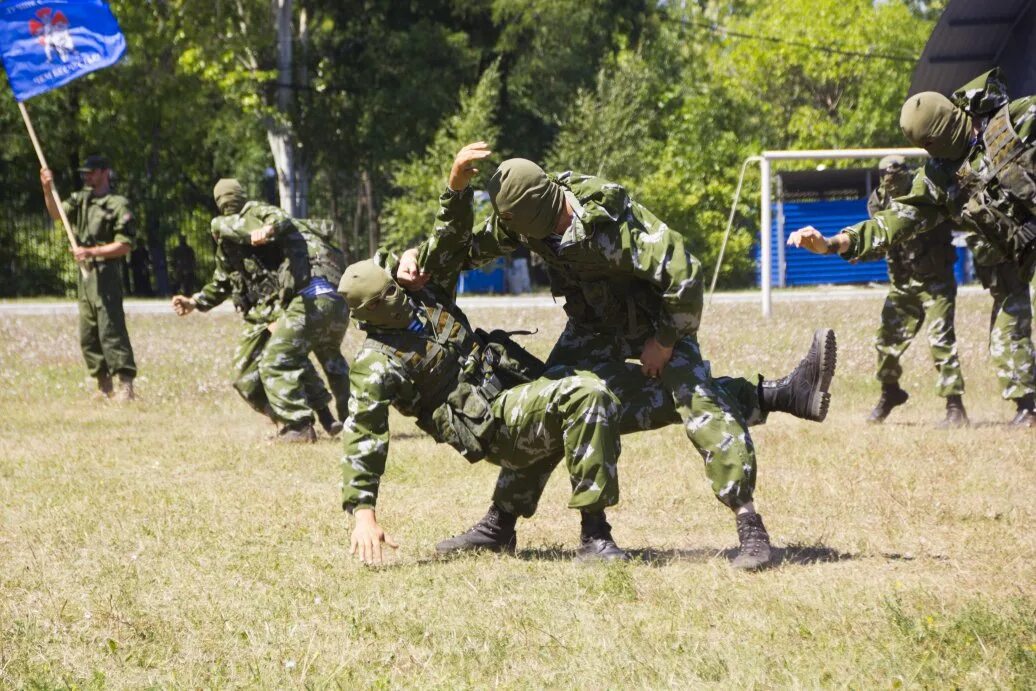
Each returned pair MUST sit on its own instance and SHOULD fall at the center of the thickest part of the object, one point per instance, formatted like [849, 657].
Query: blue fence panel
[487, 279]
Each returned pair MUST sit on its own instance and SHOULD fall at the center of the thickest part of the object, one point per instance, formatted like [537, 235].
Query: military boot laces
[755, 542]
[891, 397]
[124, 392]
[595, 542]
[493, 533]
[331, 426]
[1025, 418]
[302, 433]
[804, 392]
[956, 415]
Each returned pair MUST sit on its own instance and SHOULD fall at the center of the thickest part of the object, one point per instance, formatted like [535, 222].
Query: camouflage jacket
[439, 371]
[100, 220]
[263, 279]
[928, 255]
[990, 191]
[620, 269]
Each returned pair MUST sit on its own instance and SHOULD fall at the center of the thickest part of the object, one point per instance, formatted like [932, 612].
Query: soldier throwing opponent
[631, 290]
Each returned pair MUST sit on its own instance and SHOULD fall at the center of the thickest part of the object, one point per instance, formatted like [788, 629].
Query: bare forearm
[52, 206]
[111, 250]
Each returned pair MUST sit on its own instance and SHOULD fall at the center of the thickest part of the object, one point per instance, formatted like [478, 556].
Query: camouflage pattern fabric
[437, 372]
[249, 383]
[273, 372]
[103, 336]
[990, 191]
[908, 305]
[1010, 330]
[922, 287]
[625, 277]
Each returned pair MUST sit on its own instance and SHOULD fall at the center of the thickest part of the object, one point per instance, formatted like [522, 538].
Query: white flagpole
[53, 189]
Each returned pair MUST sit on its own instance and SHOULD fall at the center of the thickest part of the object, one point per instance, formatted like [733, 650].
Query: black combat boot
[804, 392]
[595, 540]
[755, 542]
[493, 533]
[297, 433]
[1026, 416]
[331, 426]
[891, 396]
[956, 416]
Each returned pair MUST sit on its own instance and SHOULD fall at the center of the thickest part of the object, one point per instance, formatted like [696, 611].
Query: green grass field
[168, 544]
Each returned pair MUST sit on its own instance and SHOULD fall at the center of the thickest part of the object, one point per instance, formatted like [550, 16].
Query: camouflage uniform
[289, 283]
[1010, 328]
[472, 391]
[921, 286]
[625, 278]
[990, 191]
[102, 323]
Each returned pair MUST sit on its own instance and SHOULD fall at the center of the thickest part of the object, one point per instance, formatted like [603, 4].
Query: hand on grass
[367, 538]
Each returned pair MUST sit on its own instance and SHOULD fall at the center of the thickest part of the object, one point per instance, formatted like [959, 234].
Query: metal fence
[35, 258]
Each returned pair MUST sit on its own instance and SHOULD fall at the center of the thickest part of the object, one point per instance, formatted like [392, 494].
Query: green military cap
[930, 120]
[374, 297]
[891, 164]
[230, 196]
[94, 162]
[524, 197]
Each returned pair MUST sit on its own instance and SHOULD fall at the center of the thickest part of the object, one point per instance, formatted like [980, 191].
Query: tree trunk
[279, 133]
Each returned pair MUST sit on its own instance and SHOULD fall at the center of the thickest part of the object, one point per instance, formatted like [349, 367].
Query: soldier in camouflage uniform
[921, 287]
[105, 230]
[467, 389]
[630, 289]
[281, 274]
[982, 176]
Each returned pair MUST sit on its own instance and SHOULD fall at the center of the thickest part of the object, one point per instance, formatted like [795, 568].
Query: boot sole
[820, 399]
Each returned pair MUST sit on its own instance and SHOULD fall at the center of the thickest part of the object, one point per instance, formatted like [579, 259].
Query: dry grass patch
[167, 544]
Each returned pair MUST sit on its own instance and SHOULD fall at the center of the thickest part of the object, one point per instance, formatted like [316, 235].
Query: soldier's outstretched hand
[409, 273]
[464, 164]
[183, 305]
[367, 538]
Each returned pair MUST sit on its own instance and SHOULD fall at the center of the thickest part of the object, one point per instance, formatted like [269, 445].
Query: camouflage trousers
[1010, 333]
[274, 373]
[570, 414]
[911, 303]
[716, 413]
[102, 323]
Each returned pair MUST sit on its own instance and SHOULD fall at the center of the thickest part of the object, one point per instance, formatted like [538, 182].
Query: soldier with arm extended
[980, 176]
[922, 288]
[470, 390]
[630, 288]
[105, 230]
[281, 281]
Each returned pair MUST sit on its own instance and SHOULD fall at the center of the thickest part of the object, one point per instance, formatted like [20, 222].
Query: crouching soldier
[480, 393]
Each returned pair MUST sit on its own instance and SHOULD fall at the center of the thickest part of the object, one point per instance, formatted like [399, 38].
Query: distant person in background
[140, 266]
[185, 266]
[921, 288]
[105, 230]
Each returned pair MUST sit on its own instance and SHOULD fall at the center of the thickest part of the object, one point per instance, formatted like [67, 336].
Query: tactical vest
[595, 296]
[928, 255]
[253, 273]
[326, 259]
[456, 373]
[994, 193]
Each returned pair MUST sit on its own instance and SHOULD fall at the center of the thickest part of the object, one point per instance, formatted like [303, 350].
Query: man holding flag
[45, 44]
[104, 233]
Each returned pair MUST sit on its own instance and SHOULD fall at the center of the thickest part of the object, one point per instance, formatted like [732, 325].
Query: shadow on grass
[802, 555]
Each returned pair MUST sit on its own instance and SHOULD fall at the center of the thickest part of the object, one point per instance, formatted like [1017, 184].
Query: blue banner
[45, 44]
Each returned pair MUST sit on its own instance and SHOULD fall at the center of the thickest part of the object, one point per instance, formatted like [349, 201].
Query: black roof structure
[972, 37]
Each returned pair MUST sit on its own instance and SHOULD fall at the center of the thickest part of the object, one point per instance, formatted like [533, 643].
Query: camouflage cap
[229, 195]
[930, 120]
[95, 162]
[374, 297]
[525, 198]
[891, 163]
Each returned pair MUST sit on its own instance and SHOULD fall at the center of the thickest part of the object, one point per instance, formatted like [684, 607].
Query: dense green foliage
[667, 98]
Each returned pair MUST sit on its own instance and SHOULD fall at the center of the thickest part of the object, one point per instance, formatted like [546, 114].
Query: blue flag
[45, 44]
